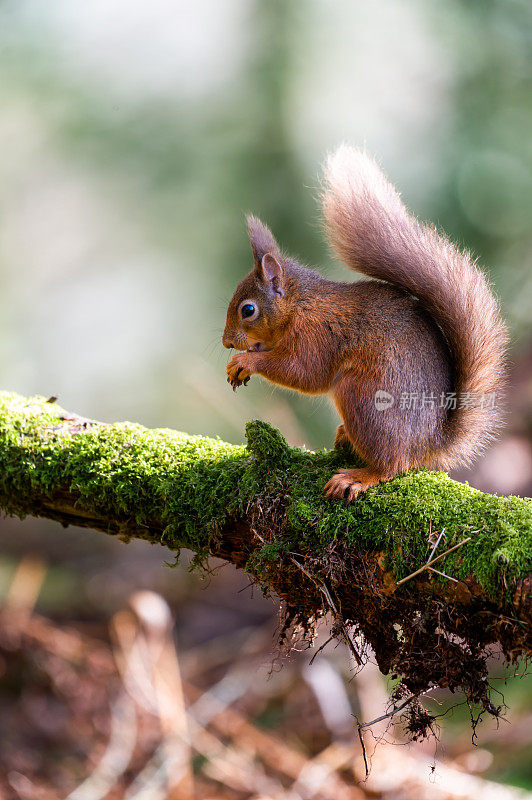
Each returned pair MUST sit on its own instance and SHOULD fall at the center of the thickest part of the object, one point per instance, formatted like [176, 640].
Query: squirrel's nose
[227, 341]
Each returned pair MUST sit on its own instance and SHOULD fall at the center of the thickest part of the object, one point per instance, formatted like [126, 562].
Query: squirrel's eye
[248, 310]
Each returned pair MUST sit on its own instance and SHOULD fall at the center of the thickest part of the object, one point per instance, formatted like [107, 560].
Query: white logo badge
[383, 400]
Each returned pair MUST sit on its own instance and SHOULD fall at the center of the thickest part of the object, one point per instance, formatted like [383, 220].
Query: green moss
[193, 484]
[267, 444]
[122, 470]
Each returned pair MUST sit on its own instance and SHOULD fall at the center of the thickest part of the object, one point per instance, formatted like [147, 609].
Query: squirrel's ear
[271, 271]
[262, 240]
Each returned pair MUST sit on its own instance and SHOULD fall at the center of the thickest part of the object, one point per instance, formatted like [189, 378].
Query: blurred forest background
[134, 136]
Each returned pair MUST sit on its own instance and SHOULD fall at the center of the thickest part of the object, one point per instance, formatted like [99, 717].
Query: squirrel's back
[372, 232]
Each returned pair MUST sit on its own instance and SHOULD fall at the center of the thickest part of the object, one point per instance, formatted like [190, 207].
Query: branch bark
[261, 507]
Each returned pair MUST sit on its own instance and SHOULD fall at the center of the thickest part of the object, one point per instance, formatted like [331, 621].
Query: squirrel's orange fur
[427, 332]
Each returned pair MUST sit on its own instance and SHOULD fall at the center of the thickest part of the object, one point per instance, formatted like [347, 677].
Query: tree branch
[262, 507]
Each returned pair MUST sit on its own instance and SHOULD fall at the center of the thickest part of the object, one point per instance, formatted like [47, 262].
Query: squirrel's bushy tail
[372, 232]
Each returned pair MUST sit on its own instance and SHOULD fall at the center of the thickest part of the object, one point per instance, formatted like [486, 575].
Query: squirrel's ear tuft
[262, 240]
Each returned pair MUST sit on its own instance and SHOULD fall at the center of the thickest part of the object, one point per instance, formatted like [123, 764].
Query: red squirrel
[413, 359]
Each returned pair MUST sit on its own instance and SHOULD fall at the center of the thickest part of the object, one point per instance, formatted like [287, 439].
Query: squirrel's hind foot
[341, 439]
[349, 483]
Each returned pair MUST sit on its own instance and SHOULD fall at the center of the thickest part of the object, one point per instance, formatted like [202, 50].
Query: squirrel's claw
[237, 373]
[347, 484]
[235, 381]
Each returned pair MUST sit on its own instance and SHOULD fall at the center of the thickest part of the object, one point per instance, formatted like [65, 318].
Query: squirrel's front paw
[239, 370]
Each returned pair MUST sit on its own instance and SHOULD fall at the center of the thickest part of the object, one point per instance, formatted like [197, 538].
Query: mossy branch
[262, 507]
